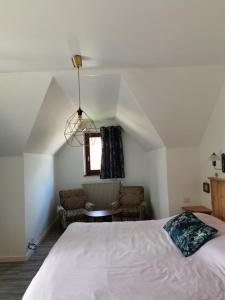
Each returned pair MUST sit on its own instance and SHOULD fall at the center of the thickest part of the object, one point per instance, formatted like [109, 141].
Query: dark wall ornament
[206, 187]
[214, 158]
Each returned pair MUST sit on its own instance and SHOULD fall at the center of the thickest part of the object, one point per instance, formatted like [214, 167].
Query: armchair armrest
[142, 207]
[89, 206]
[115, 205]
[62, 216]
[143, 204]
[60, 210]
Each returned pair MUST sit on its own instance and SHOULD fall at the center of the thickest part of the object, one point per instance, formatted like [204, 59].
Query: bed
[130, 260]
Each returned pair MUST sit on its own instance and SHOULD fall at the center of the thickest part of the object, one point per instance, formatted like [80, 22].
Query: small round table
[101, 214]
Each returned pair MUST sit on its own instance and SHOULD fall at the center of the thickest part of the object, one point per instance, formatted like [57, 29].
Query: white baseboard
[40, 239]
[29, 253]
[22, 258]
[45, 231]
[13, 258]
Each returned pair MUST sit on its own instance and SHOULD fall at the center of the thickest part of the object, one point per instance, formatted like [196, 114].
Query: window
[93, 152]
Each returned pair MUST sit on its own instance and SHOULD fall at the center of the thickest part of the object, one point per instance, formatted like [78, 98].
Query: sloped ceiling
[134, 120]
[99, 92]
[47, 133]
[157, 66]
[178, 101]
[21, 96]
[164, 106]
[35, 107]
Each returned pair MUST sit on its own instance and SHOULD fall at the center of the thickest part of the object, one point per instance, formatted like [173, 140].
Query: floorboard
[15, 277]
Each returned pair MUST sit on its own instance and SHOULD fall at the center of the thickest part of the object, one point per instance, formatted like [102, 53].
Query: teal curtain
[112, 162]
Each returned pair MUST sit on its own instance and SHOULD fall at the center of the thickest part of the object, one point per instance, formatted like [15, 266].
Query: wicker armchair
[131, 203]
[72, 203]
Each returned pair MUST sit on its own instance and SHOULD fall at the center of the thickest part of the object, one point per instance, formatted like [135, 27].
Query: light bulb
[80, 125]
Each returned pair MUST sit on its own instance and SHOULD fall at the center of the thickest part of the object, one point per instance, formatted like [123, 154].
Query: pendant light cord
[78, 74]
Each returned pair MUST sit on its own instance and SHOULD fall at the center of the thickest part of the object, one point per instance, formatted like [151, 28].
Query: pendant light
[78, 123]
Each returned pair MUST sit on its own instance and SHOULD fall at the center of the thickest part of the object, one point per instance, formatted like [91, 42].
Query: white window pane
[95, 153]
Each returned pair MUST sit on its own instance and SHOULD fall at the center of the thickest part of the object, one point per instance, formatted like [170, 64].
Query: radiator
[102, 194]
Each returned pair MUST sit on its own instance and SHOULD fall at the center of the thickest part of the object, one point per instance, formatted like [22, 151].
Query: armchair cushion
[70, 214]
[131, 195]
[74, 202]
[72, 199]
[130, 211]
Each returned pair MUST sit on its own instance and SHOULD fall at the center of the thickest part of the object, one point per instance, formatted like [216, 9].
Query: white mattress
[127, 260]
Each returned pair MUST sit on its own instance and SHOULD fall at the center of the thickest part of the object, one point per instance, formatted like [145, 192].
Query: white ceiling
[157, 66]
[99, 92]
[34, 107]
[42, 35]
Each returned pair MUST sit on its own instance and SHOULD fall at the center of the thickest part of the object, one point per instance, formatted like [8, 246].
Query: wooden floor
[15, 277]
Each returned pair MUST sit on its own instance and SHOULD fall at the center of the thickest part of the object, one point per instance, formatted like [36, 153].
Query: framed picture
[206, 187]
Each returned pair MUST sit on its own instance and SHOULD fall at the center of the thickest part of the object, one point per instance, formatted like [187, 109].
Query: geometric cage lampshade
[79, 123]
[76, 126]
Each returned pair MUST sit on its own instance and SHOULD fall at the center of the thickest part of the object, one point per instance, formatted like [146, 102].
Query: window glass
[95, 153]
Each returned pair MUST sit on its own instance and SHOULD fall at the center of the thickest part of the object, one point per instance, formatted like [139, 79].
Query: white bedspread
[126, 261]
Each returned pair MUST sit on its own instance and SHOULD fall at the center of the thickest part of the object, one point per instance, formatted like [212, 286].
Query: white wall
[12, 214]
[157, 181]
[39, 185]
[213, 140]
[168, 175]
[69, 164]
[134, 161]
[70, 167]
[183, 172]
[174, 180]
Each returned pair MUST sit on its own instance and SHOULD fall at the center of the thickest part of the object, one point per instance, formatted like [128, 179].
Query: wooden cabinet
[198, 209]
[218, 197]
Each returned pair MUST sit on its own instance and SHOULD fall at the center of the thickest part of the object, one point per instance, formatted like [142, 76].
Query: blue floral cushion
[188, 232]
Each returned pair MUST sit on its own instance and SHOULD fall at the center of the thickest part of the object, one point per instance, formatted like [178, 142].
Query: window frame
[88, 171]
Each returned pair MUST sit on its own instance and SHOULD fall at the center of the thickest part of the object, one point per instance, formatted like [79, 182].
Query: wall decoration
[214, 158]
[206, 187]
